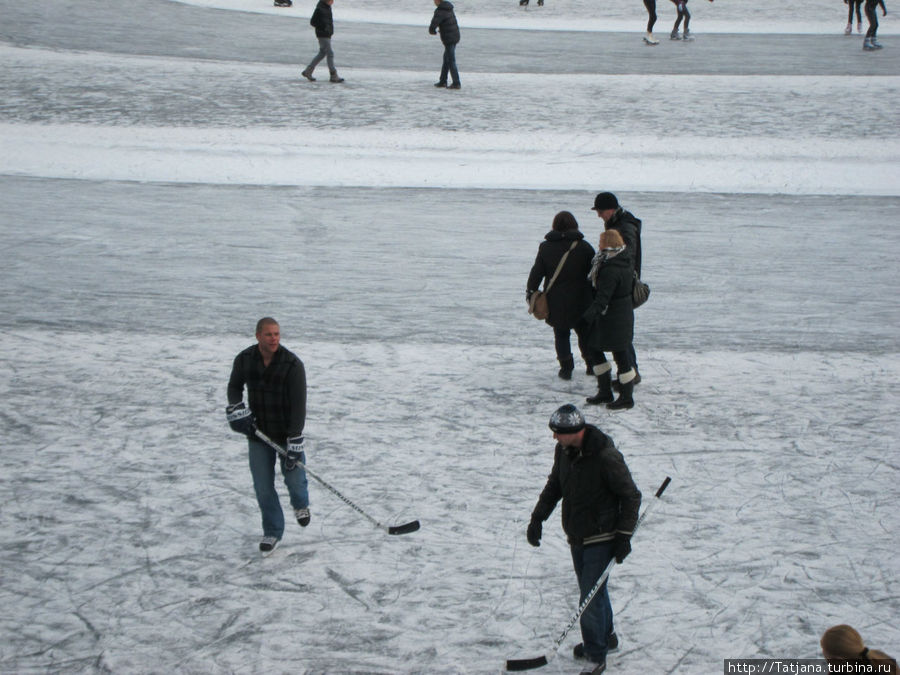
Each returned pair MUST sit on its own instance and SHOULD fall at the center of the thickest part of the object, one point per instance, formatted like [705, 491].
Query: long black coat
[571, 292]
[444, 20]
[610, 316]
[629, 227]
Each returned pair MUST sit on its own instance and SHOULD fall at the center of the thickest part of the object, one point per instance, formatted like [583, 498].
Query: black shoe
[523, 3]
[455, 85]
[594, 669]
[336, 78]
[302, 516]
[625, 400]
[308, 75]
[612, 645]
[283, 3]
[268, 544]
[440, 85]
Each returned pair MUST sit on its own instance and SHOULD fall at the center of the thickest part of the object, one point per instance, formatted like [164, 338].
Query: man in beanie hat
[600, 505]
[615, 217]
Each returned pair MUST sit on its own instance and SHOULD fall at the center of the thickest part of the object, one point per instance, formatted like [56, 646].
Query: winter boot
[626, 389]
[617, 386]
[566, 366]
[335, 77]
[604, 385]
[308, 75]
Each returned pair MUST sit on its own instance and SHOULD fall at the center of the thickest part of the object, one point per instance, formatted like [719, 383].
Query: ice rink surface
[166, 178]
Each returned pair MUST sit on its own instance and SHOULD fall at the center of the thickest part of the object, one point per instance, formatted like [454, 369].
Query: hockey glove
[621, 546]
[535, 529]
[294, 453]
[241, 419]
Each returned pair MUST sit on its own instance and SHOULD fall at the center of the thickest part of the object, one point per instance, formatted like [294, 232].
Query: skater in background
[276, 395]
[651, 21]
[570, 294]
[851, 4]
[843, 646]
[444, 20]
[683, 13]
[323, 22]
[870, 41]
[609, 321]
[600, 505]
[614, 217]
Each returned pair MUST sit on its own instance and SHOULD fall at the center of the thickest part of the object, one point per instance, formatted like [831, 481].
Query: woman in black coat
[571, 293]
[610, 320]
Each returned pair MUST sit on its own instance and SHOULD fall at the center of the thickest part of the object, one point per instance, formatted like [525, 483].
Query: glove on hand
[294, 453]
[241, 419]
[535, 529]
[621, 546]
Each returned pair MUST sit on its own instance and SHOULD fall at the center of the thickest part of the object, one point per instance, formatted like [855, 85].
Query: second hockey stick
[406, 528]
[544, 659]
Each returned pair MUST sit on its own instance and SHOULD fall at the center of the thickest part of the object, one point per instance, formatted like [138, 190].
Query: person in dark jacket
[444, 20]
[276, 393]
[571, 293]
[600, 504]
[610, 321]
[323, 22]
[615, 217]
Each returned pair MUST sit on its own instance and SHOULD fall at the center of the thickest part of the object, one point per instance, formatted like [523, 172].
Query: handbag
[538, 306]
[639, 292]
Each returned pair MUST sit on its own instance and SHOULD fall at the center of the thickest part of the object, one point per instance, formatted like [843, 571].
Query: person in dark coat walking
[444, 20]
[571, 293]
[276, 396]
[323, 22]
[610, 321]
[614, 217]
[600, 504]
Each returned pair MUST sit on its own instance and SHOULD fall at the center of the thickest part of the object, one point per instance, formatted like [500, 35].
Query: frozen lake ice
[166, 178]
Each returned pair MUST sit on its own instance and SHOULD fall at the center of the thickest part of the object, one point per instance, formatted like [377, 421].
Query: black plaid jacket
[276, 395]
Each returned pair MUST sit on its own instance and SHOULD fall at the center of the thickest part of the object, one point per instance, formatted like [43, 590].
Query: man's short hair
[263, 322]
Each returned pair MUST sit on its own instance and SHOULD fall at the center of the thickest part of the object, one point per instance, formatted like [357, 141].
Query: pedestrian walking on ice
[444, 21]
[871, 43]
[323, 22]
[600, 504]
[275, 380]
[683, 14]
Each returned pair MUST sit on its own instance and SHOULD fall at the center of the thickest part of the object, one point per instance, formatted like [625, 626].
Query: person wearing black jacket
[571, 293]
[610, 321]
[615, 217]
[600, 504]
[276, 394]
[323, 22]
[444, 20]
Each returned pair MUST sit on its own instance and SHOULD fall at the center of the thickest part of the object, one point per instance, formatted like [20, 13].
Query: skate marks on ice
[149, 543]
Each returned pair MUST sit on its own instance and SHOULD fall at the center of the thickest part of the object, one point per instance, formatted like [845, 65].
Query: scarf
[601, 258]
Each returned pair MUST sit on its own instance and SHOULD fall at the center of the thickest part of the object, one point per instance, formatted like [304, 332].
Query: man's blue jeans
[449, 64]
[262, 468]
[597, 620]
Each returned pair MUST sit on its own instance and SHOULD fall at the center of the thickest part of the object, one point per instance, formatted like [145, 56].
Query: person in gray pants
[323, 22]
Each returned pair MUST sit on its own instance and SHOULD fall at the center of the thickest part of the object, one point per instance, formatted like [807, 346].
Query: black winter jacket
[571, 293]
[322, 20]
[444, 19]
[630, 228]
[599, 497]
[610, 316]
[276, 395]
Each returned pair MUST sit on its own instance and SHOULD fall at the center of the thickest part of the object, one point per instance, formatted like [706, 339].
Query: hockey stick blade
[526, 664]
[404, 529]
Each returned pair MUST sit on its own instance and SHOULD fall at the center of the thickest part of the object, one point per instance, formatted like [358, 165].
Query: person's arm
[236, 381]
[296, 393]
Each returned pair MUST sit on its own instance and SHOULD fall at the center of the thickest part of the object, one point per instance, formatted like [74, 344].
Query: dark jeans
[683, 13]
[651, 14]
[597, 621]
[872, 16]
[564, 347]
[449, 64]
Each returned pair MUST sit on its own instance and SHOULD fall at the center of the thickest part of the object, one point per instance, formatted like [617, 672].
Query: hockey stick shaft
[398, 529]
[528, 664]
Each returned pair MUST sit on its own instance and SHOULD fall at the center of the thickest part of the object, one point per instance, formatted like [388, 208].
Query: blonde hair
[844, 643]
[611, 239]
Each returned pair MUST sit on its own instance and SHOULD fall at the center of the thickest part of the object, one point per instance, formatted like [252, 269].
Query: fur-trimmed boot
[626, 391]
[604, 384]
